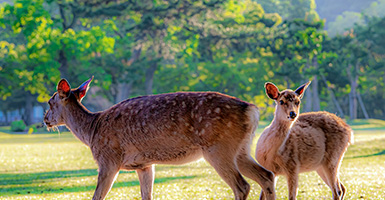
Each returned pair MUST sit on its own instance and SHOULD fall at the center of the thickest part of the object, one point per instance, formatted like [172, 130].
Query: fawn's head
[288, 101]
[61, 100]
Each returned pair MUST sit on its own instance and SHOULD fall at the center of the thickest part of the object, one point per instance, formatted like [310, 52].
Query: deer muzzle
[292, 115]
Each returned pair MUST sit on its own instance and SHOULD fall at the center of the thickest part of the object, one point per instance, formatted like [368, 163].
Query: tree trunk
[63, 64]
[353, 92]
[123, 91]
[342, 115]
[28, 112]
[308, 100]
[362, 106]
[316, 101]
[287, 82]
[150, 77]
[6, 117]
[5, 112]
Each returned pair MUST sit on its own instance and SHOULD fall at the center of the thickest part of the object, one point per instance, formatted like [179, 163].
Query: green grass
[53, 166]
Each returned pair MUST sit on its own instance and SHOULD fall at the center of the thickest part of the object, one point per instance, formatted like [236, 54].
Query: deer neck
[277, 131]
[80, 121]
[281, 127]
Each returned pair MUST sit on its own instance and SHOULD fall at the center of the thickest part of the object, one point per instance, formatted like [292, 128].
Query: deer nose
[293, 115]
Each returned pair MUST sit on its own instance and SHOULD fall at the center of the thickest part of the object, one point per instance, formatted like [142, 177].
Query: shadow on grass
[43, 177]
[20, 184]
[370, 155]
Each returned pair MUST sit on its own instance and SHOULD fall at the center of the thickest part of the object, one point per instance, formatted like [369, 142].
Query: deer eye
[281, 102]
[297, 103]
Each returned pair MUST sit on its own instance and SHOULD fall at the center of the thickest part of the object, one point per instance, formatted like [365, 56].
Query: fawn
[173, 128]
[292, 144]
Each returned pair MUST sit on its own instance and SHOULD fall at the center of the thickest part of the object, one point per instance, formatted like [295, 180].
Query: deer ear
[81, 91]
[63, 89]
[272, 91]
[301, 89]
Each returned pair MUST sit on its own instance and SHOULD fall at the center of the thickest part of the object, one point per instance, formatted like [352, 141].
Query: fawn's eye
[297, 103]
[281, 102]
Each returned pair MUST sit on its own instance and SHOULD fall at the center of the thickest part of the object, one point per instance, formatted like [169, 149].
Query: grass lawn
[53, 166]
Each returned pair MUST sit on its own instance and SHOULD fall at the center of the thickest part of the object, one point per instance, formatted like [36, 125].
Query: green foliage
[331, 9]
[229, 46]
[347, 19]
[18, 126]
[291, 9]
[344, 22]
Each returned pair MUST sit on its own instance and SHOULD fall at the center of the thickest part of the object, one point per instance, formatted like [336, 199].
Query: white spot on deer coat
[217, 110]
[229, 124]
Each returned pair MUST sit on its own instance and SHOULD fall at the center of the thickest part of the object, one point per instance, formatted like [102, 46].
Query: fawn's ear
[81, 91]
[272, 91]
[301, 89]
[63, 89]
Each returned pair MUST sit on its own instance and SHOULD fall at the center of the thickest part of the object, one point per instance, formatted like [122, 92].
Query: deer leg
[224, 164]
[146, 180]
[251, 169]
[343, 189]
[262, 195]
[106, 178]
[292, 182]
[338, 189]
[322, 174]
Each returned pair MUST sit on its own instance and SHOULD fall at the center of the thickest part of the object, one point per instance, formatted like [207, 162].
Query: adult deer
[292, 144]
[174, 128]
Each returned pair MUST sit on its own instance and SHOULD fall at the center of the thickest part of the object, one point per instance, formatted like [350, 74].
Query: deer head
[287, 101]
[62, 100]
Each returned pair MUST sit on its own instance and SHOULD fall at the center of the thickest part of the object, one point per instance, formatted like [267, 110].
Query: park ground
[58, 166]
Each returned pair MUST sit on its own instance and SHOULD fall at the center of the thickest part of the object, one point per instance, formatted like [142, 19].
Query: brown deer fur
[312, 141]
[174, 128]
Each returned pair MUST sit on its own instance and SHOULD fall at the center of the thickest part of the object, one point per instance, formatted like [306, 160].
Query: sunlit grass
[52, 166]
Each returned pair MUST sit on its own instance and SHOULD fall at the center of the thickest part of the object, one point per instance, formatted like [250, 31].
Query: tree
[34, 48]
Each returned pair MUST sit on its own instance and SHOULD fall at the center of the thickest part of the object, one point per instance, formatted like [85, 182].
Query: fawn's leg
[343, 189]
[224, 164]
[106, 178]
[251, 169]
[338, 189]
[333, 183]
[146, 180]
[292, 182]
[262, 195]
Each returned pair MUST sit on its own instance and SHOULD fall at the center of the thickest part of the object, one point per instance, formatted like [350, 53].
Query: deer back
[167, 122]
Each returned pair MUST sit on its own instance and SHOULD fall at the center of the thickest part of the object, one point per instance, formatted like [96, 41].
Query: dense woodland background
[140, 47]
